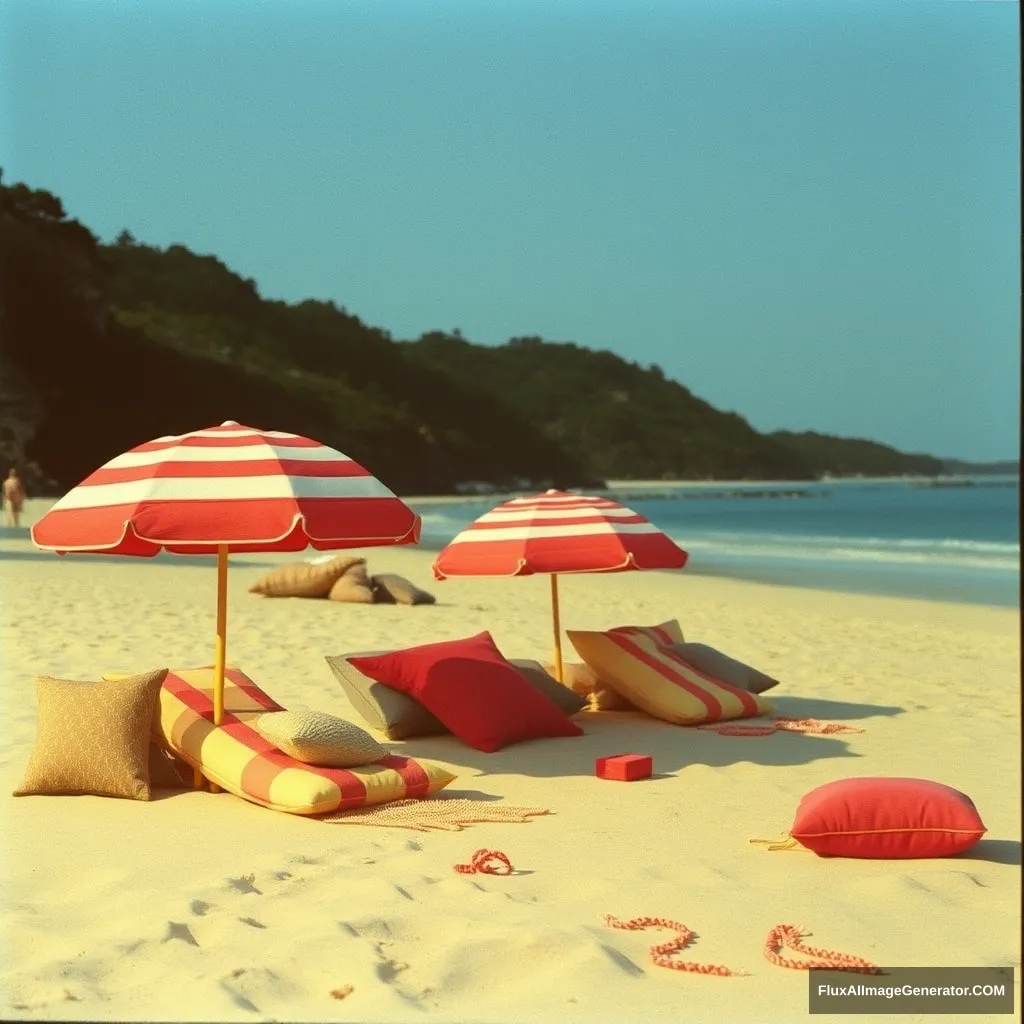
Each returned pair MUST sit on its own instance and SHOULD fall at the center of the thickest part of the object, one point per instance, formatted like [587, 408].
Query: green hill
[621, 420]
[105, 346]
[108, 346]
[847, 456]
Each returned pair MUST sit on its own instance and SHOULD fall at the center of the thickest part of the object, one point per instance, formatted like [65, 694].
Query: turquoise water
[953, 543]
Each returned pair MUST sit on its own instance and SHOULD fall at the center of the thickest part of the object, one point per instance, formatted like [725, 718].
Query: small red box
[625, 767]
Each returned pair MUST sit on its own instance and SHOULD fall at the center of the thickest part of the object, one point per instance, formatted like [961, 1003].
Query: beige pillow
[582, 680]
[304, 579]
[353, 586]
[313, 737]
[721, 666]
[391, 589]
[93, 738]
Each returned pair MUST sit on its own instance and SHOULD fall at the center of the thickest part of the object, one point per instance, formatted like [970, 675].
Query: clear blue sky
[807, 213]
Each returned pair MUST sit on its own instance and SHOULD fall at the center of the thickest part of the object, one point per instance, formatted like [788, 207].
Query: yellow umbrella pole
[222, 639]
[557, 623]
[221, 651]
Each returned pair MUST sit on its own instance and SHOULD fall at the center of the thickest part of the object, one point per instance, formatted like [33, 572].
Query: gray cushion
[721, 666]
[534, 673]
[397, 716]
[388, 588]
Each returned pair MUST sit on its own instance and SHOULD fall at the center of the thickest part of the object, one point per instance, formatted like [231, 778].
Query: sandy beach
[197, 906]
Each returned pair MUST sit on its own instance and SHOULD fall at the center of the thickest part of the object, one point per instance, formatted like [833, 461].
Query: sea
[946, 540]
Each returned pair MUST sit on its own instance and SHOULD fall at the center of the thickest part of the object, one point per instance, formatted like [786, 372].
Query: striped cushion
[636, 661]
[582, 679]
[238, 759]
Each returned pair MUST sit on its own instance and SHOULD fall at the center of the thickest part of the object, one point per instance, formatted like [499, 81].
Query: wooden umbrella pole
[222, 633]
[557, 623]
[222, 639]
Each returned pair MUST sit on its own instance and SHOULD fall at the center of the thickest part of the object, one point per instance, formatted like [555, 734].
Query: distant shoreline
[618, 487]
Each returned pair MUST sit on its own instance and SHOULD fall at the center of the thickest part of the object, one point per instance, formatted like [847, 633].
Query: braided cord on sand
[486, 862]
[661, 955]
[788, 936]
[811, 726]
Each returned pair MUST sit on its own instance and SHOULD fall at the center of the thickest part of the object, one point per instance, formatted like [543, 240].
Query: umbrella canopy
[228, 486]
[223, 489]
[557, 533]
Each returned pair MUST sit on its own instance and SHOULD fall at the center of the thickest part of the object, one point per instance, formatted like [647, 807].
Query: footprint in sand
[392, 971]
[200, 908]
[389, 968]
[969, 878]
[178, 930]
[252, 922]
[252, 987]
[519, 899]
[241, 1001]
[622, 961]
[244, 885]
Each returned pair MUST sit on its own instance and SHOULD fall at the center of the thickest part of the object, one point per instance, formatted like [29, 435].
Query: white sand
[120, 910]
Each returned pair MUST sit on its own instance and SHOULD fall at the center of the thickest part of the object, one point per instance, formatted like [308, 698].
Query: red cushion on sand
[887, 819]
[471, 689]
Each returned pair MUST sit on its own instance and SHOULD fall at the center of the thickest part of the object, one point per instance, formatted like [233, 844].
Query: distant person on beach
[14, 498]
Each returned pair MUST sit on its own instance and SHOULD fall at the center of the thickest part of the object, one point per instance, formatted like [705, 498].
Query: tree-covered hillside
[622, 420]
[105, 346]
[848, 456]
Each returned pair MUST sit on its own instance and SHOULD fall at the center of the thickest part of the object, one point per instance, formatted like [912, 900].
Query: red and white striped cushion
[238, 759]
[636, 662]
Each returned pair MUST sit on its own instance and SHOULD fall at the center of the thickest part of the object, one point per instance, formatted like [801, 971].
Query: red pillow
[472, 690]
[886, 819]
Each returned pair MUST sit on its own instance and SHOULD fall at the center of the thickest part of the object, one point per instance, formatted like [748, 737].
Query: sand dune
[202, 907]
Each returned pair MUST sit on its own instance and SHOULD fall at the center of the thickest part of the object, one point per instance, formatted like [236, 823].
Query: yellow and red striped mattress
[238, 759]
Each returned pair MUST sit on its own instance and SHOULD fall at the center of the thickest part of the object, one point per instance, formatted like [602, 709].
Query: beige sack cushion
[314, 737]
[304, 579]
[352, 587]
[721, 666]
[391, 589]
[93, 738]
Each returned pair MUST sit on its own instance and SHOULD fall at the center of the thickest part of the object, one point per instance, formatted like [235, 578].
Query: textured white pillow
[314, 737]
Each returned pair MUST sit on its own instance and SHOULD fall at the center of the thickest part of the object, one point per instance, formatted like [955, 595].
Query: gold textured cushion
[93, 737]
[304, 579]
[317, 738]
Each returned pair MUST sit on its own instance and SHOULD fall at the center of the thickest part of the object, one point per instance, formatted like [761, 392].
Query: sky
[807, 213]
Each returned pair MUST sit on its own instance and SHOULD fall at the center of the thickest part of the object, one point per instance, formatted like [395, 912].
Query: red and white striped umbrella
[557, 533]
[228, 487]
[224, 489]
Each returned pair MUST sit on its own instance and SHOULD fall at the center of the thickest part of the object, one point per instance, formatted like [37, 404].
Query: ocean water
[952, 542]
